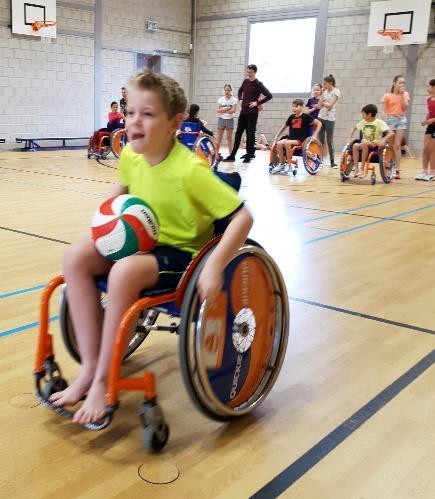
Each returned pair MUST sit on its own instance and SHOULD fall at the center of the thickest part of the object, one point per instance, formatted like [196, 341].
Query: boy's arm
[118, 190]
[354, 129]
[279, 132]
[210, 280]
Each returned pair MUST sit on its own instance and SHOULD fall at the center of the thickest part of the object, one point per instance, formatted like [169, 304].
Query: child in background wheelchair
[374, 146]
[194, 135]
[100, 144]
[300, 125]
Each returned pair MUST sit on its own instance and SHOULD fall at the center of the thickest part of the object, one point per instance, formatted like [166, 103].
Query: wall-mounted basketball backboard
[411, 18]
[26, 13]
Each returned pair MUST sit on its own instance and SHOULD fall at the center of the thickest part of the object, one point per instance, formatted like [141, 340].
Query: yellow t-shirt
[183, 192]
[372, 130]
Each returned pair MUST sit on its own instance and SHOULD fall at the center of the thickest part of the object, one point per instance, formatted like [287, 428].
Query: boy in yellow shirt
[187, 199]
[375, 132]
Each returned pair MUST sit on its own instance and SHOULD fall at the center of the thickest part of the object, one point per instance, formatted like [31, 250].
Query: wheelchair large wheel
[147, 318]
[312, 155]
[118, 140]
[387, 163]
[231, 351]
[206, 150]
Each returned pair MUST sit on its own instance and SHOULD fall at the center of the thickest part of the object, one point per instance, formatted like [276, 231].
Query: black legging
[246, 122]
[328, 127]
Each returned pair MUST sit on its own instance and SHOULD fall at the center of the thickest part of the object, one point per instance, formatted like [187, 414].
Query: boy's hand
[209, 284]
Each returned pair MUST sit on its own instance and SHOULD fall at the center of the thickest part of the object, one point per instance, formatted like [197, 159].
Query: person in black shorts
[299, 128]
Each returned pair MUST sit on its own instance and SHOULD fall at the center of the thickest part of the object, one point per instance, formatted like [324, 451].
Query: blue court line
[26, 326]
[308, 460]
[344, 212]
[359, 227]
[21, 291]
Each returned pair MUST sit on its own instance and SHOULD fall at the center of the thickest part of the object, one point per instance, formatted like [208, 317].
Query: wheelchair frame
[386, 160]
[258, 365]
[311, 152]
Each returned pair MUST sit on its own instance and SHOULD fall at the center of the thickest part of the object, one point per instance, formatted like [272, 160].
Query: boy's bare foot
[73, 393]
[93, 407]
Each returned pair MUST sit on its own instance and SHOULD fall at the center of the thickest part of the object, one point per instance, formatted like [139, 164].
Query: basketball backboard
[411, 17]
[24, 13]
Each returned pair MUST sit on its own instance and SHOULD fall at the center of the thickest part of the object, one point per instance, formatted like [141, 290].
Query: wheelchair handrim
[199, 376]
[312, 160]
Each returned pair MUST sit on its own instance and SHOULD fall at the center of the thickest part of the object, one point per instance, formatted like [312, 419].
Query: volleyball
[124, 225]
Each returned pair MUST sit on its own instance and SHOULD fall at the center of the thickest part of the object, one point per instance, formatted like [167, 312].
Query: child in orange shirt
[395, 104]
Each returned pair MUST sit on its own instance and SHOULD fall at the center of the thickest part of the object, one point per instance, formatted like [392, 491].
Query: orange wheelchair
[384, 156]
[118, 140]
[231, 351]
[310, 151]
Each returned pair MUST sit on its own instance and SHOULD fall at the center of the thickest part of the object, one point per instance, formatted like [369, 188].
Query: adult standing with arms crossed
[249, 95]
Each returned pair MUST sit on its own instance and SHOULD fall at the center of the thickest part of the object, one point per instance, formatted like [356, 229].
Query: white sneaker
[286, 169]
[420, 176]
[277, 168]
[428, 177]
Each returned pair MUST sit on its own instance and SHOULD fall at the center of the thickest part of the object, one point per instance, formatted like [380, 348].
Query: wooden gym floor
[352, 414]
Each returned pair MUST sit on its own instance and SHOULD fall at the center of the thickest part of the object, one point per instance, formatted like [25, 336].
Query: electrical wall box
[151, 25]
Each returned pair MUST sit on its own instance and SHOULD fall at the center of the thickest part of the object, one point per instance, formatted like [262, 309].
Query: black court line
[34, 235]
[57, 175]
[314, 455]
[310, 191]
[364, 316]
[357, 215]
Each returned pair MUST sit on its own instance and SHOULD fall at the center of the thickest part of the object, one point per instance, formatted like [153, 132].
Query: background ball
[124, 225]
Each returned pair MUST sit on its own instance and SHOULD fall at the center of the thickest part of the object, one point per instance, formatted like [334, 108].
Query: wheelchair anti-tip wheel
[231, 350]
[140, 332]
[118, 140]
[387, 162]
[312, 155]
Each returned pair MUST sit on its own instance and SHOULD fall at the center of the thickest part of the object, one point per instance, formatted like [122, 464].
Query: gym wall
[48, 89]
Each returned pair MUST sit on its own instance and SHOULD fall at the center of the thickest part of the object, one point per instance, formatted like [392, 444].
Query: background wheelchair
[385, 156]
[231, 351]
[118, 140]
[103, 142]
[191, 136]
[310, 150]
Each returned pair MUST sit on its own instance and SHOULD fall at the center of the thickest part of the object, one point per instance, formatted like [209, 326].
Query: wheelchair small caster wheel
[53, 385]
[295, 171]
[271, 168]
[155, 440]
[89, 155]
[373, 179]
[343, 178]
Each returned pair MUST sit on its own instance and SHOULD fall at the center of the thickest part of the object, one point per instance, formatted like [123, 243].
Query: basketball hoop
[394, 34]
[37, 25]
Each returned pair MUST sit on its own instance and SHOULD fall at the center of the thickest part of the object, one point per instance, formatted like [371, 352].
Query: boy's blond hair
[171, 94]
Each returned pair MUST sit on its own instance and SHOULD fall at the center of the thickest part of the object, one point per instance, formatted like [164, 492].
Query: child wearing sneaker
[428, 171]
[375, 132]
[299, 128]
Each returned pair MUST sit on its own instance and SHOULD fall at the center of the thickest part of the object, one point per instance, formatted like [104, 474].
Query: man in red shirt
[249, 93]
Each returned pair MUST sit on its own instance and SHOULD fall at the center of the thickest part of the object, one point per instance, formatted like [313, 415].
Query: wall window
[283, 52]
